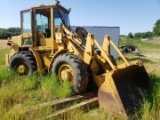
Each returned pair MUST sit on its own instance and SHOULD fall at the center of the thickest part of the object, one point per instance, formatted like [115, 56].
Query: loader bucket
[122, 91]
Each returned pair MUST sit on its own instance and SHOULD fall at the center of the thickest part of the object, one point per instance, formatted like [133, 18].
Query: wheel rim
[22, 68]
[66, 73]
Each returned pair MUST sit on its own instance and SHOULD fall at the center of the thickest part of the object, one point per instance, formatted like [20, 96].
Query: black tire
[23, 63]
[80, 76]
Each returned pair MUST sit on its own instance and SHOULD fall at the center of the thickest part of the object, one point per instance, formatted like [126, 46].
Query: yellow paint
[62, 40]
[38, 60]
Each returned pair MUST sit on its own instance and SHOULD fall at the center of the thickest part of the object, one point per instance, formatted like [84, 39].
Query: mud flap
[122, 91]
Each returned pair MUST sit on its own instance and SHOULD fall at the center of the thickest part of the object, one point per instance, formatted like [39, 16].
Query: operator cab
[38, 24]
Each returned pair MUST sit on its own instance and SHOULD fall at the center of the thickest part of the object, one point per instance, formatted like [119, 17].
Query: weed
[138, 43]
[19, 93]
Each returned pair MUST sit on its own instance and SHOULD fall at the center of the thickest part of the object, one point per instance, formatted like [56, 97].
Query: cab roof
[49, 6]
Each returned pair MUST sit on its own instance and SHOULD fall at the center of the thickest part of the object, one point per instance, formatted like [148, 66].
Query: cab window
[61, 17]
[26, 22]
[42, 23]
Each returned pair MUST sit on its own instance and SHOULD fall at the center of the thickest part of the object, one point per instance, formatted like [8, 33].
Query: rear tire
[23, 63]
[71, 68]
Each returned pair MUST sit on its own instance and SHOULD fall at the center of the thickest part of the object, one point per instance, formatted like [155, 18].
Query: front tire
[23, 63]
[71, 68]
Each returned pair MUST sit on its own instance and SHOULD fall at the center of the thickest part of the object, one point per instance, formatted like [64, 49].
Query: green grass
[19, 93]
[151, 108]
[138, 43]
[30, 91]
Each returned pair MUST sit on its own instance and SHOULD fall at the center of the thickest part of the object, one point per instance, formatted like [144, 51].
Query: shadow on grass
[143, 59]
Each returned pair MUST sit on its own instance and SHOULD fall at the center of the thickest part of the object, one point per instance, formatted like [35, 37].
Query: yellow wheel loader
[47, 44]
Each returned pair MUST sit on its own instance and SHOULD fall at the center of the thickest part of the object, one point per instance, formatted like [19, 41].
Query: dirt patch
[151, 53]
[155, 40]
[3, 44]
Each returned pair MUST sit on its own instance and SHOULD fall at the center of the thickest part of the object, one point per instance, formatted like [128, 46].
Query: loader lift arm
[117, 82]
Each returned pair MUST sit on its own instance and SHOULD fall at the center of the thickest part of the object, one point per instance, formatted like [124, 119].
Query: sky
[130, 15]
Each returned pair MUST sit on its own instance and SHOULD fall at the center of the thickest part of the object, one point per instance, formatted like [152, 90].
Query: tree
[138, 35]
[147, 34]
[156, 28]
[130, 35]
[5, 33]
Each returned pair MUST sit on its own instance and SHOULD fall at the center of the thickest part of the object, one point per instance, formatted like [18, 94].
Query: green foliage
[156, 28]
[29, 91]
[151, 107]
[17, 93]
[130, 35]
[2, 55]
[138, 43]
[154, 33]
[143, 35]
[5, 33]
[147, 34]
[4, 74]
